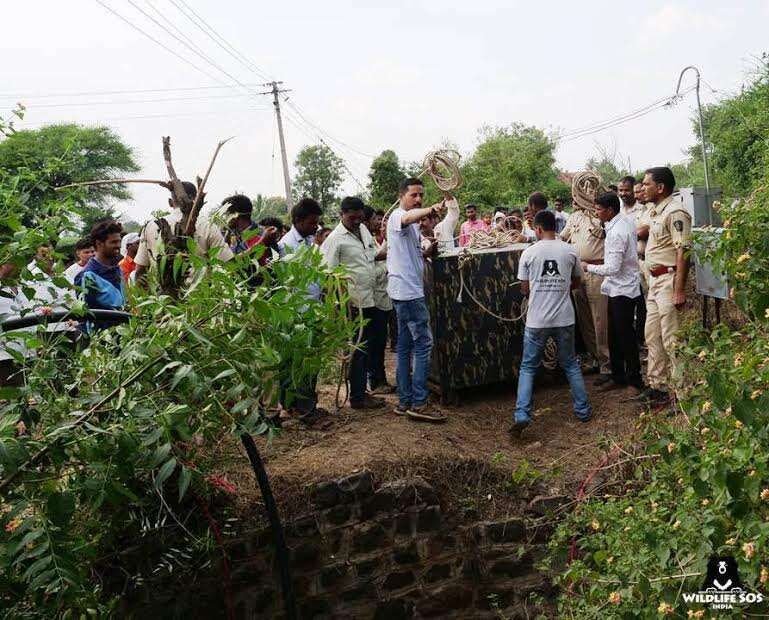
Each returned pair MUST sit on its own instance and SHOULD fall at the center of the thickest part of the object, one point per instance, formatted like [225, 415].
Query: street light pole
[702, 127]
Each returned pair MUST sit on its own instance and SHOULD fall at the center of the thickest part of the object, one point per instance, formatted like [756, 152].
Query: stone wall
[390, 553]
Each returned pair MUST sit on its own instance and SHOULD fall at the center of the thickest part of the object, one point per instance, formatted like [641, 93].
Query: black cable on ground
[278, 537]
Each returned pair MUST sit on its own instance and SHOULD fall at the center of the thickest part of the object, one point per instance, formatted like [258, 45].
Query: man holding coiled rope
[584, 230]
[405, 267]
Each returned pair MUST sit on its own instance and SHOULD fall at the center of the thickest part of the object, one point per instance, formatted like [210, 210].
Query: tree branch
[192, 218]
[165, 184]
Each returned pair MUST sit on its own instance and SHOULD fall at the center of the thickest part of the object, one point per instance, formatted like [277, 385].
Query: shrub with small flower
[702, 488]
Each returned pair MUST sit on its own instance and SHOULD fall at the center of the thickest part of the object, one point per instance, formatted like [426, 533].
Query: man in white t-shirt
[548, 270]
[207, 237]
[83, 253]
[405, 268]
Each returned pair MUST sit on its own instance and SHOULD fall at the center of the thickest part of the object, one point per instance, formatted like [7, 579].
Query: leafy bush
[701, 485]
[107, 442]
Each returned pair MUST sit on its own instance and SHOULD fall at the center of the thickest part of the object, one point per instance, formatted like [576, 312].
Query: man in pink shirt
[472, 224]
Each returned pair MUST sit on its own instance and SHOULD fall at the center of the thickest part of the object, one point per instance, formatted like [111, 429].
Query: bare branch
[192, 219]
[177, 189]
[165, 184]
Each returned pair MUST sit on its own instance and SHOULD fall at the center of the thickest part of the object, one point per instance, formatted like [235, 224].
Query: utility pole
[702, 128]
[275, 91]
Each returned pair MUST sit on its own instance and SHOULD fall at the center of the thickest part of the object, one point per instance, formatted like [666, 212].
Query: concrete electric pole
[275, 91]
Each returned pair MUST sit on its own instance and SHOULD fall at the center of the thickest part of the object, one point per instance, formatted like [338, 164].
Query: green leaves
[60, 507]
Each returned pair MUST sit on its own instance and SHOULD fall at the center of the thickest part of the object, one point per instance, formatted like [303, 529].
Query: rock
[325, 495]
[356, 487]
[369, 538]
[438, 573]
[429, 519]
[394, 609]
[546, 504]
[411, 492]
[396, 581]
[511, 530]
[444, 601]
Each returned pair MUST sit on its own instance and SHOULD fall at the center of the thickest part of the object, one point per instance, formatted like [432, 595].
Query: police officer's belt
[661, 270]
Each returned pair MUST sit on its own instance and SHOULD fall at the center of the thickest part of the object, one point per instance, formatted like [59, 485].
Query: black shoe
[591, 370]
[516, 430]
[602, 380]
[611, 385]
[657, 397]
[643, 396]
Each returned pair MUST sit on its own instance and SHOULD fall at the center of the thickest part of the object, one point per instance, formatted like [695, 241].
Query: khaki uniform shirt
[342, 247]
[206, 237]
[670, 228]
[381, 298]
[586, 234]
[638, 212]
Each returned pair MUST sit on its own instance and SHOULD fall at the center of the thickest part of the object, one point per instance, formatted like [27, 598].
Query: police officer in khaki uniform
[667, 265]
[585, 232]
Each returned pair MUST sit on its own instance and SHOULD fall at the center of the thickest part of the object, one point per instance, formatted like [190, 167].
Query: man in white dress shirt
[621, 284]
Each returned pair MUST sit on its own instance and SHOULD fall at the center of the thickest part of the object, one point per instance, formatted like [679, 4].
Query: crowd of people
[616, 270]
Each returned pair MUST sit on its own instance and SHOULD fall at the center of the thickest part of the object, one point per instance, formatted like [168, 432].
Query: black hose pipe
[59, 316]
[278, 538]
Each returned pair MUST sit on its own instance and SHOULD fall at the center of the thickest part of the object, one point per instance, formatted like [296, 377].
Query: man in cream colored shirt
[351, 245]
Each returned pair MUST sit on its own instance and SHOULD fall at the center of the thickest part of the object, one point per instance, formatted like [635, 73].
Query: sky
[367, 76]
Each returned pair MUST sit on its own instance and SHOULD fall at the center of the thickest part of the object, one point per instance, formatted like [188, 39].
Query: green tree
[318, 174]
[83, 153]
[737, 129]
[385, 175]
[269, 206]
[509, 164]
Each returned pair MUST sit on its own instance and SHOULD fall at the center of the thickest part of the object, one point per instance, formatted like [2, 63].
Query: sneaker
[426, 413]
[401, 409]
[602, 380]
[368, 402]
[516, 430]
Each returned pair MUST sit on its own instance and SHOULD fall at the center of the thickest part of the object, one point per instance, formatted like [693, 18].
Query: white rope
[463, 259]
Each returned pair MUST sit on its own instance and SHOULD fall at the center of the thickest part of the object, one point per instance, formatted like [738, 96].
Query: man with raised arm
[405, 267]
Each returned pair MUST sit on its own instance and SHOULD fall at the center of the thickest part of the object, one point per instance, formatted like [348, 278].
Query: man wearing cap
[667, 262]
[128, 248]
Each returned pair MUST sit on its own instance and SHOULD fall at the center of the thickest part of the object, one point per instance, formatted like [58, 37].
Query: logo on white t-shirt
[550, 268]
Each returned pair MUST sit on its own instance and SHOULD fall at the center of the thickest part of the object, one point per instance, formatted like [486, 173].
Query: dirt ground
[556, 447]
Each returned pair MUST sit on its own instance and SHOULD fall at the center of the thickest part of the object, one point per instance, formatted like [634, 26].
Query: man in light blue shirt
[305, 216]
[405, 285]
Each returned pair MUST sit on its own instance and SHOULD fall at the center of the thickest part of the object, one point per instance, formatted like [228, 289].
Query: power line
[138, 117]
[154, 40]
[187, 45]
[212, 34]
[119, 92]
[70, 104]
[296, 108]
[172, 25]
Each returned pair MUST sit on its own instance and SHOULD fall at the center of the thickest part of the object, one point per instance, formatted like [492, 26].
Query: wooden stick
[192, 219]
[181, 198]
[111, 181]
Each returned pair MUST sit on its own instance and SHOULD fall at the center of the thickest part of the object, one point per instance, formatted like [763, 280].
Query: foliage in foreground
[701, 487]
[113, 442]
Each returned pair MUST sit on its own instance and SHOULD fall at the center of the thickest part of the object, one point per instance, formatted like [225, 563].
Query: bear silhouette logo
[550, 268]
[722, 575]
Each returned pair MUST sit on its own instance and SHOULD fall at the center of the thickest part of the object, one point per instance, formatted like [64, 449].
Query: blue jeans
[534, 340]
[414, 340]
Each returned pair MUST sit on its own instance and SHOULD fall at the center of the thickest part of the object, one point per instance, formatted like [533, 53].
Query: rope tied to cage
[464, 258]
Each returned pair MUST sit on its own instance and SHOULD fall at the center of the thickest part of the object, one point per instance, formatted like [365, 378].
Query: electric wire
[173, 26]
[154, 40]
[97, 93]
[71, 104]
[212, 34]
[189, 47]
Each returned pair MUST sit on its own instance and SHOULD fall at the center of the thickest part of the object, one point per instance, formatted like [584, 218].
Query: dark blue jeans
[376, 347]
[415, 340]
[534, 340]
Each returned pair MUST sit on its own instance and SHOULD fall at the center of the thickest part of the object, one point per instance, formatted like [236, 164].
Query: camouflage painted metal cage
[471, 347]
